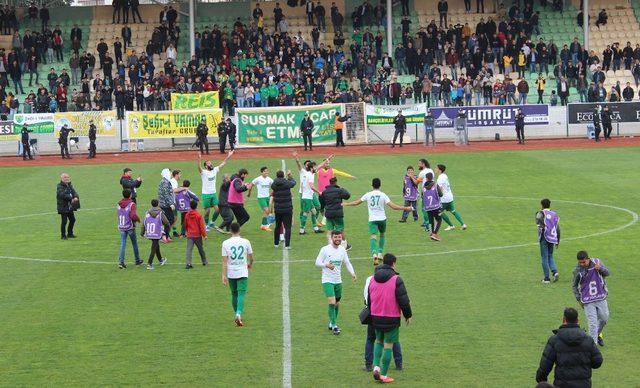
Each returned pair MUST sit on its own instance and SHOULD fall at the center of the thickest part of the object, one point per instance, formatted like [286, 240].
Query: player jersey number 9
[374, 201]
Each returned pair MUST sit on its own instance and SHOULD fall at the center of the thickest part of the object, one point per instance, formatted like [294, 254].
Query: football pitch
[69, 317]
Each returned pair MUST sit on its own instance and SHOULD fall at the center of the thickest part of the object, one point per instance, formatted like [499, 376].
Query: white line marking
[286, 322]
[635, 217]
[51, 213]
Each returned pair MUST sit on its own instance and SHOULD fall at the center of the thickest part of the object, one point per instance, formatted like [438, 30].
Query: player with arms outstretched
[263, 182]
[209, 195]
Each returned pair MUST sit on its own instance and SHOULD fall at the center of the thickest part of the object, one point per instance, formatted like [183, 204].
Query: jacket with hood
[166, 197]
[574, 353]
[385, 273]
[153, 212]
[333, 196]
[224, 193]
[194, 224]
[281, 188]
[131, 184]
[124, 202]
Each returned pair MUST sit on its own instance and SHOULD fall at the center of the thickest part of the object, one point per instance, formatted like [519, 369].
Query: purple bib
[410, 190]
[430, 198]
[183, 201]
[550, 231]
[124, 218]
[153, 226]
[592, 285]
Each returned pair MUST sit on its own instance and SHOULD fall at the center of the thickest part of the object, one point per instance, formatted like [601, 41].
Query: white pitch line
[633, 221]
[52, 213]
[286, 322]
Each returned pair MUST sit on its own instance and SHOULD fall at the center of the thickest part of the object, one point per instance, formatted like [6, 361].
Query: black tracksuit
[520, 127]
[606, 124]
[306, 129]
[63, 140]
[400, 124]
[283, 208]
[64, 194]
[223, 206]
[26, 146]
[201, 137]
[222, 136]
[92, 142]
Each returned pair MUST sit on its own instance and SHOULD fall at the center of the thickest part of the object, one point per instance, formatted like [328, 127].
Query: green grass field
[481, 316]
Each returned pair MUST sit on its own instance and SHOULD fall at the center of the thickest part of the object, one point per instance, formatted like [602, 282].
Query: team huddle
[323, 205]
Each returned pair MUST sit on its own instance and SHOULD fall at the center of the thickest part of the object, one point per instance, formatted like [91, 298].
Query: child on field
[152, 228]
[183, 199]
[196, 232]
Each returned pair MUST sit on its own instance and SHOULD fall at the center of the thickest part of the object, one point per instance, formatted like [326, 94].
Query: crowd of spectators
[253, 65]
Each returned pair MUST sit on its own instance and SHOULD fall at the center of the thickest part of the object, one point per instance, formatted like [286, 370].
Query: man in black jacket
[572, 351]
[92, 140]
[67, 202]
[400, 125]
[127, 182]
[520, 126]
[332, 197]
[386, 303]
[117, 5]
[282, 207]
[597, 121]
[231, 132]
[606, 122]
[202, 131]
[26, 146]
[63, 141]
[222, 135]
[306, 128]
[223, 205]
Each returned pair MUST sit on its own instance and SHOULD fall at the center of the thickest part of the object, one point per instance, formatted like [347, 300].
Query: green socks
[386, 361]
[337, 309]
[425, 217]
[206, 218]
[234, 301]
[314, 220]
[446, 219]
[381, 248]
[303, 221]
[377, 353]
[240, 304]
[264, 221]
[458, 217]
[332, 314]
[373, 243]
[215, 216]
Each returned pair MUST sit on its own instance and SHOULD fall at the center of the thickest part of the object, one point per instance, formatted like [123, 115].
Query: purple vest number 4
[153, 226]
[430, 198]
[124, 218]
[550, 231]
[592, 285]
[410, 190]
[183, 201]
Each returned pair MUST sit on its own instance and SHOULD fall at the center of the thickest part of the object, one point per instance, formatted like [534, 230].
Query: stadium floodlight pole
[192, 28]
[585, 23]
[390, 28]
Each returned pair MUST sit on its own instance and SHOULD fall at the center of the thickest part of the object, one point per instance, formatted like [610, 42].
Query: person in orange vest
[339, 126]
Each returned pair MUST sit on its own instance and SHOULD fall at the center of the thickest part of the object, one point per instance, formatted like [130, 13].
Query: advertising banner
[171, 124]
[188, 101]
[623, 112]
[37, 122]
[6, 131]
[491, 115]
[281, 126]
[384, 114]
[105, 122]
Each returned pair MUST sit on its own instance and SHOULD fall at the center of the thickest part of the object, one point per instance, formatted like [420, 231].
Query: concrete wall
[47, 143]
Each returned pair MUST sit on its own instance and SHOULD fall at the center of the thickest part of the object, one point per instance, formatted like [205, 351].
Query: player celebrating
[548, 236]
[590, 289]
[376, 201]
[410, 194]
[425, 168]
[209, 194]
[308, 193]
[324, 176]
[263, 183]
[431, 194]
[330, 259]
[237, 260]
[447, 199]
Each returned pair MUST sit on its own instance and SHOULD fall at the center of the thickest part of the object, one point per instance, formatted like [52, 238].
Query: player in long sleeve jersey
[331, 259]
[309, 198]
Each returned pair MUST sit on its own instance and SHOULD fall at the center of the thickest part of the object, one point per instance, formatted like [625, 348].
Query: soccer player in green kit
[330, 259]
[376, 201]
[237, 260]
[447, 199]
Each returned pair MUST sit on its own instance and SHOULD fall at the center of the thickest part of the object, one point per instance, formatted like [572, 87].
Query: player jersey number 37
[376, 201]
[237, 251]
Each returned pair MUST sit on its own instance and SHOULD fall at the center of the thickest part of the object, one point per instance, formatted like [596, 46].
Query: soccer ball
[72, 142]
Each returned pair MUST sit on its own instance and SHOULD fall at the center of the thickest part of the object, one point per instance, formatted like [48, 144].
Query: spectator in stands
[277, 15]
[636, 72]
[540, 85]
[563, 91]
[320, 13]
[172, 17]
[44, 17]
[602, 18]
[257, 13]
[574, 49]
[117, 6]
[134, 4]
[443, 9]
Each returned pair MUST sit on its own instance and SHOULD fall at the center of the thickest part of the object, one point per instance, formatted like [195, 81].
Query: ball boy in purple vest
[127, 218]
[153, 229]
[183, 200]
[590, 289]
[410, 194]
[549, 236]
[431, 194]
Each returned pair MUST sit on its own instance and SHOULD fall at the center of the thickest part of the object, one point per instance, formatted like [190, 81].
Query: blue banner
[491, 115]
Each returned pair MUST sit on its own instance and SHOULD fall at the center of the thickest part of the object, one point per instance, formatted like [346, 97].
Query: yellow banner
[105, 122]
[171, 123]
[188, 101]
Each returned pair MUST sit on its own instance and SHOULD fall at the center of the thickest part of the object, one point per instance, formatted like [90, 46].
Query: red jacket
[194, 223]
[124, 202]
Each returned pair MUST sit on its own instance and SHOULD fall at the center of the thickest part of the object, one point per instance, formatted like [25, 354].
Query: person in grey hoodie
[167, 200]
[155, 243]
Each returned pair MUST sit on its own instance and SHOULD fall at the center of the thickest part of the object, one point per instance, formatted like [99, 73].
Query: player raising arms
[447, 199]
[237, 260]
[425, 168]
[263, 182]
[209, 195]
[376, 201]
[308, 193]
[330, 259]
